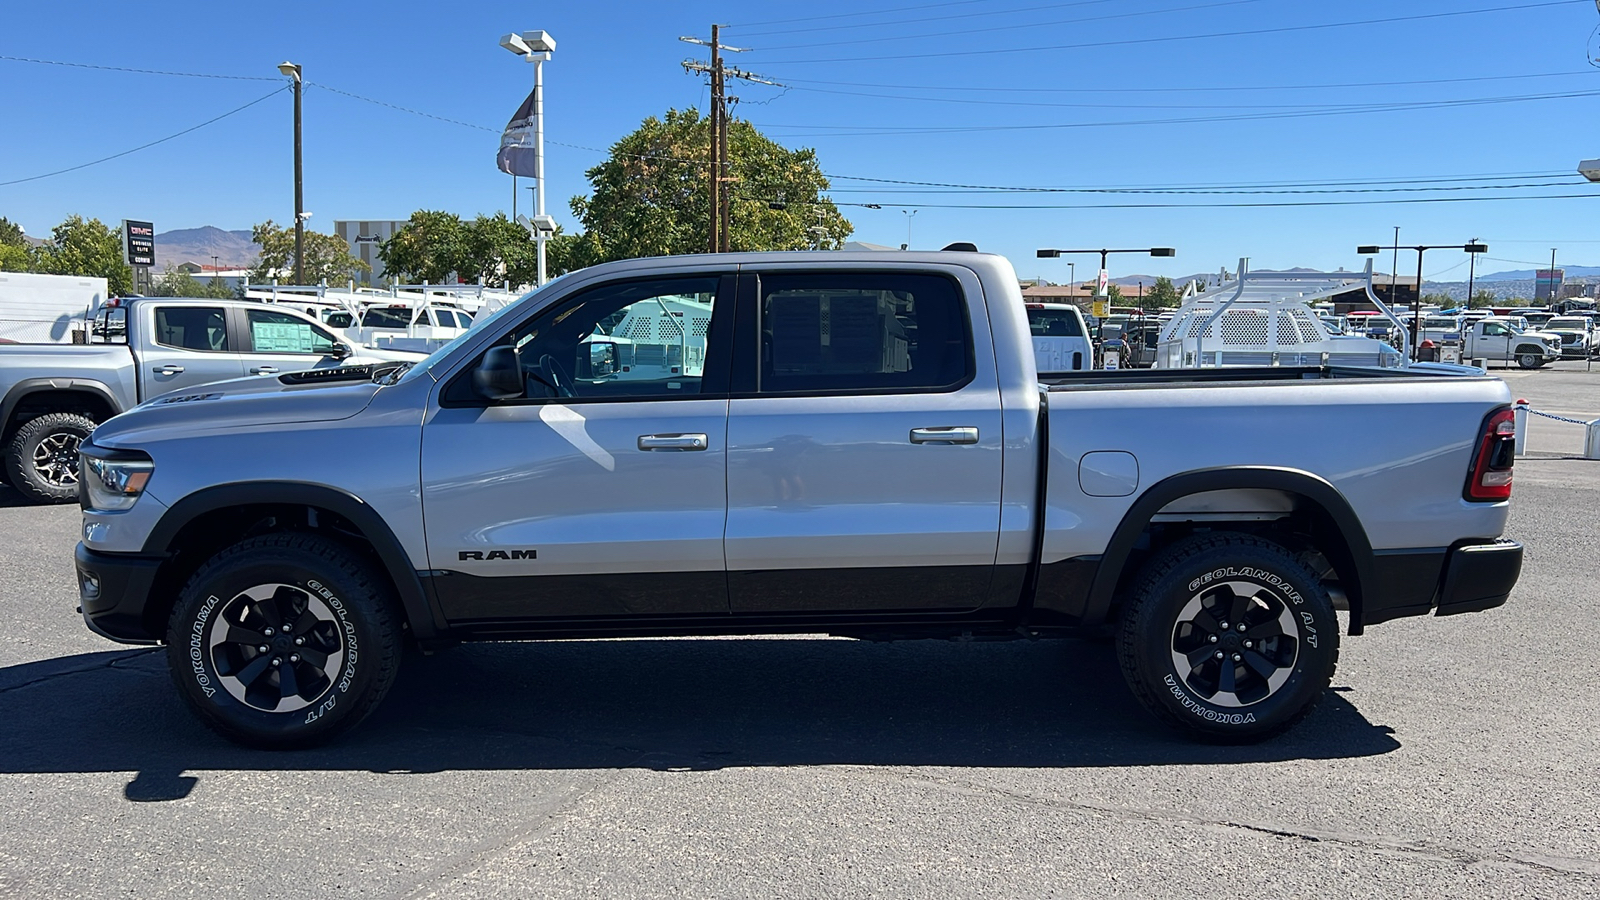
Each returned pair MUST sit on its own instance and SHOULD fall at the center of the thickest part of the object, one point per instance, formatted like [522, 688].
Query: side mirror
[341, 351]
[499, 375]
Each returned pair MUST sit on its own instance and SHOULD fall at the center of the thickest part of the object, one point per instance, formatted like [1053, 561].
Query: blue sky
[991, 110]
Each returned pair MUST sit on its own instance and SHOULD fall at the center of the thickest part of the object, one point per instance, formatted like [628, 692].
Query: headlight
[113, 479]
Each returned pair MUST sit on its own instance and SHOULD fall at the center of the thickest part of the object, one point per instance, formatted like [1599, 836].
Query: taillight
[1497, 451]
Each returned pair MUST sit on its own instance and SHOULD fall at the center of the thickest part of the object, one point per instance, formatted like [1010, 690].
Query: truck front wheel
[1228, 637]
[1530, 360]
[42, 458]
[284, 640]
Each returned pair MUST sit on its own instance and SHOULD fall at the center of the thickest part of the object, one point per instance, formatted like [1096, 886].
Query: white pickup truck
[860, 445]
[51, 396]
[1501, 340]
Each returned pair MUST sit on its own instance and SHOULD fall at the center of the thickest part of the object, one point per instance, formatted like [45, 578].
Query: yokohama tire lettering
[196, 640]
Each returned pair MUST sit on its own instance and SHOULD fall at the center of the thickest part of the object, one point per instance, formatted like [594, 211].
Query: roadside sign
[138, 243]
[1103, 285]
[1102, 309]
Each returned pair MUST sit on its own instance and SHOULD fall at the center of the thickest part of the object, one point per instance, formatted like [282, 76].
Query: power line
[872, 130]
[1167, 90]
[1328, 183]
[145, 146]
[77, 65]
[1283, 29]
[993, 28]
[1252, 191]
[1253, 205]
[877, 12]
[404, 109]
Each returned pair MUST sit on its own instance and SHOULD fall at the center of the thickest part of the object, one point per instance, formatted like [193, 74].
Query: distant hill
[1529, 274]
[232, 249]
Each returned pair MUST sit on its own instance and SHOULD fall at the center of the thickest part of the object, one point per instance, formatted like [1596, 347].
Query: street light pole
[1049, 253]
[535, 47]
[1472, 247]
[293, 71]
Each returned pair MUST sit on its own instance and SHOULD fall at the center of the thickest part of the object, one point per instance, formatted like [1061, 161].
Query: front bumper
[113, 590]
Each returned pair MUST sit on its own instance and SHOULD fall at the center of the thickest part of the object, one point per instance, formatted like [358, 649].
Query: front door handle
[949, 434]
[169, 370]
[672, 442]
[263, 370]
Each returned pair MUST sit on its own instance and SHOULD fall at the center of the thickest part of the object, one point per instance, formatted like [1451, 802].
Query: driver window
[1494, 330]
[641, 339]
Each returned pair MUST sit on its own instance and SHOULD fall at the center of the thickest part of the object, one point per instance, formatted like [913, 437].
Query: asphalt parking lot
[1452, 758]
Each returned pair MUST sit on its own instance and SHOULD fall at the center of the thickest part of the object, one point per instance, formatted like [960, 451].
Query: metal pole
[299, 197]
[1553, 299]
[1416, 307]
[513, 196]
[716, 143]
[1394, 271]
[538, 159]
[1472, 268]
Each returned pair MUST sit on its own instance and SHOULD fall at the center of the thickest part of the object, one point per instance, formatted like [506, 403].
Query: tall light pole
[910, 214]
[1472, 271]
[1072, 276]
[1101, 288]
[293, 71]
[536, 47]
[1416, 302]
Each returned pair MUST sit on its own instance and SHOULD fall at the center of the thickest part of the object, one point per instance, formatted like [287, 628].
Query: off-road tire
[49, 479]
[331, 606]
[1171, 617]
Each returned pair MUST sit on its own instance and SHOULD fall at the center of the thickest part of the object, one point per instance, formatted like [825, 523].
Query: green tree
[1162, 295]
[494, 248]
[15, 259]
[86, 248]
[11, 234]
[1114, 295]
[429, 247]
[327, 255]
[652, 197]
[1481, 299]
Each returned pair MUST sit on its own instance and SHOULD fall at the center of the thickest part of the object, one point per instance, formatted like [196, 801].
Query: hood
[239, 403]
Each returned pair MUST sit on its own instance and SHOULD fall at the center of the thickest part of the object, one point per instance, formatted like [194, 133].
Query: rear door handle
[169, 370]
[263, 370]
[672, 442]
[949, 434]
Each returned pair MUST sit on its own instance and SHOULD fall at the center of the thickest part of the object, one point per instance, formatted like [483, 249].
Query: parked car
[54, 395]
[865, 449]
[1577, 335]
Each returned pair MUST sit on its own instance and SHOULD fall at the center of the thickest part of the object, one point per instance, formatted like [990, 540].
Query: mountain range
[232, 249]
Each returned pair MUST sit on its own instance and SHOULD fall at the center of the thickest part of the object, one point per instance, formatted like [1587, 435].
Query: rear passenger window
[863, 331]
[192, 327]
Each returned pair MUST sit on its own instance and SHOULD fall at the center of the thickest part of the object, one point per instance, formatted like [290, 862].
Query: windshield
[1054, 323]
[386, 317]
[1568, 324]
[480, 322]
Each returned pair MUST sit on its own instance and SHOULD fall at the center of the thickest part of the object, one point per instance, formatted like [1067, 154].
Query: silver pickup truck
[54, 394]
[845, 443]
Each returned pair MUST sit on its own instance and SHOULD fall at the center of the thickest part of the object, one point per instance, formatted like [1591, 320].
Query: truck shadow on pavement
[658, 704]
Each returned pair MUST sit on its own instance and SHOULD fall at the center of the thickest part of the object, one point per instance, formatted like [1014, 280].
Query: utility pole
[721, 175]
[293, 71]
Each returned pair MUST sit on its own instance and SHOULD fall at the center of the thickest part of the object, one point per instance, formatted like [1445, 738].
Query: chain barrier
[1558, 418]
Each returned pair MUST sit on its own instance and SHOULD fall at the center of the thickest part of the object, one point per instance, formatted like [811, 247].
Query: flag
[517, 153]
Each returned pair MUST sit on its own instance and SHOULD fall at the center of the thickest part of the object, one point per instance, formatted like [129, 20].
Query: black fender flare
[1356, 571]
[426, 623]
[27, 387]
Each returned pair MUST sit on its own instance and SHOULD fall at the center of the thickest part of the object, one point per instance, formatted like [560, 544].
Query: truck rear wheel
[42, 458]
[284, 640]
[1228, 637]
